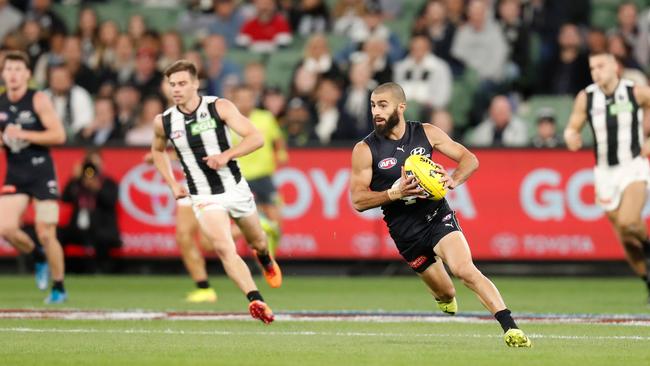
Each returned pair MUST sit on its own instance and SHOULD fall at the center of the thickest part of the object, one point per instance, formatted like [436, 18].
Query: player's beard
[391, 122]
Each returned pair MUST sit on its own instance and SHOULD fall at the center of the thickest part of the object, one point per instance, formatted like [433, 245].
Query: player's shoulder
[627, 83]
[591, 88]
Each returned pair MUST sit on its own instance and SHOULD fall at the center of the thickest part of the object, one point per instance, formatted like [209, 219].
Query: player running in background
[614, 109]
[28, 126]
[423, 230]
[258, 167]
[198, 129]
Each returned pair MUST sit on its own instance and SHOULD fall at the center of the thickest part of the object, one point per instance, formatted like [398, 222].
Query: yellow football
[424, 171]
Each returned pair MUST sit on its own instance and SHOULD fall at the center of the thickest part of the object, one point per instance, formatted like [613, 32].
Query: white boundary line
[306, 333]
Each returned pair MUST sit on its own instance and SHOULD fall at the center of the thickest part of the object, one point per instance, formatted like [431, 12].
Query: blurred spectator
[481, 39]
[127, 101]
[517, 36]
[172, 49]
[146, 77]
[371, 26]
[255, 79]
[122, 66]
[93, 224]
[220, 71]
[275, 102]
[72, 103]
[49, 21]
[426, 79]
[546, 135]
[318, 58]
[136, 29]
[104, 127]
[636, 38]
[142, 133]
[10, 18]
[332, 121]
[88, 33]
[346, 13]
[54, 56]
[617, 46]
[568, 72]
[356, 100]
[73, 59]
[297, 126]
[309, 17]
[106, 46]
[303, 83]
[434, 24]
[596, 40]
[633, 74]
[501, 128]
[456, 11]
[266, 32]
[35, 46]
[442, 119]
[375, 52]
[227, 20]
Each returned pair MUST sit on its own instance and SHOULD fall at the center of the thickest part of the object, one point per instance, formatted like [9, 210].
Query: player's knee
[467, 273]
[183, 238]
[224, 250]
[8, 230]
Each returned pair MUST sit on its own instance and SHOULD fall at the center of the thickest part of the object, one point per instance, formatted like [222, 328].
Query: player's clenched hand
[409, 186]
[446, 179]
[13, 132]
[216, 161]
[573, 140]
[180, 191]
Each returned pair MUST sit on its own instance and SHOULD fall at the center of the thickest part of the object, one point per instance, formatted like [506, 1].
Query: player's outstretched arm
[161, 159]
[467, 161]
[53, 134]
[362, 197]
[577, 120]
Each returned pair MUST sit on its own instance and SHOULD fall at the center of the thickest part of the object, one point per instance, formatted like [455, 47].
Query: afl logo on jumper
[418, 151]
[387, 163]
[177, 134]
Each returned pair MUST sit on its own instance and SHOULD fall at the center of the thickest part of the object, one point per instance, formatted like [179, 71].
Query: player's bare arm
[362, 197]
[252, 139]
[576, 122]
[161, 159]
[467, 161]
[54, 134]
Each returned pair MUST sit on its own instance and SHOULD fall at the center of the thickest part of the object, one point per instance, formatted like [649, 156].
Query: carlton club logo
[387, 163]
[145, 196]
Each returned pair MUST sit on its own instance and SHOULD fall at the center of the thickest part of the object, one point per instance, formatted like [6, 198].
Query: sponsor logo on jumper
[202, 126]
[387, 163]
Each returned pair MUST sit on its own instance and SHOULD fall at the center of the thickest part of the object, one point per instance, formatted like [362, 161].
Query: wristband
[394, 193]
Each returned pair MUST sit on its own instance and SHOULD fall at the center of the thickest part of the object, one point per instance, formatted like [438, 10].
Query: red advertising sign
[520, 205]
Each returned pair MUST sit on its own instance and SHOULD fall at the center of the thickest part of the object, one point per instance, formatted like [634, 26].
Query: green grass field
[288, 341]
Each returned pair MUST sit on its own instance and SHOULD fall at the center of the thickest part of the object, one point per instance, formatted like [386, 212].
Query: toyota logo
[145, 196]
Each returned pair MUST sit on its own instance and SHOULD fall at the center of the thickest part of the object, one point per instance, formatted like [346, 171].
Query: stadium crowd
[107, 85]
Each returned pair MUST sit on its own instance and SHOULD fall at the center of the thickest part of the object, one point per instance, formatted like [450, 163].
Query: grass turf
[161, 342]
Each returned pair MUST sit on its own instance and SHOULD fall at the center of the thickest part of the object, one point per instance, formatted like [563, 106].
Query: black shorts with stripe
[420, 255]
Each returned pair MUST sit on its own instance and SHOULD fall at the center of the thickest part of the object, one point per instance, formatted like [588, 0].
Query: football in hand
[425, 173]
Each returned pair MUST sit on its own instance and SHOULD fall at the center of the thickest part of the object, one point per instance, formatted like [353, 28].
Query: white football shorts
[611, 181]
[237, 201]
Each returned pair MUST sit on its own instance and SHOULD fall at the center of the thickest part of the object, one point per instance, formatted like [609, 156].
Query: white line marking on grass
[306, 333]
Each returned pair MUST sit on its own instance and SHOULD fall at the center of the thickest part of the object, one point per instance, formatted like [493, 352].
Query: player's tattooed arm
[362, 197]
[576, 122]
[467, 161]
